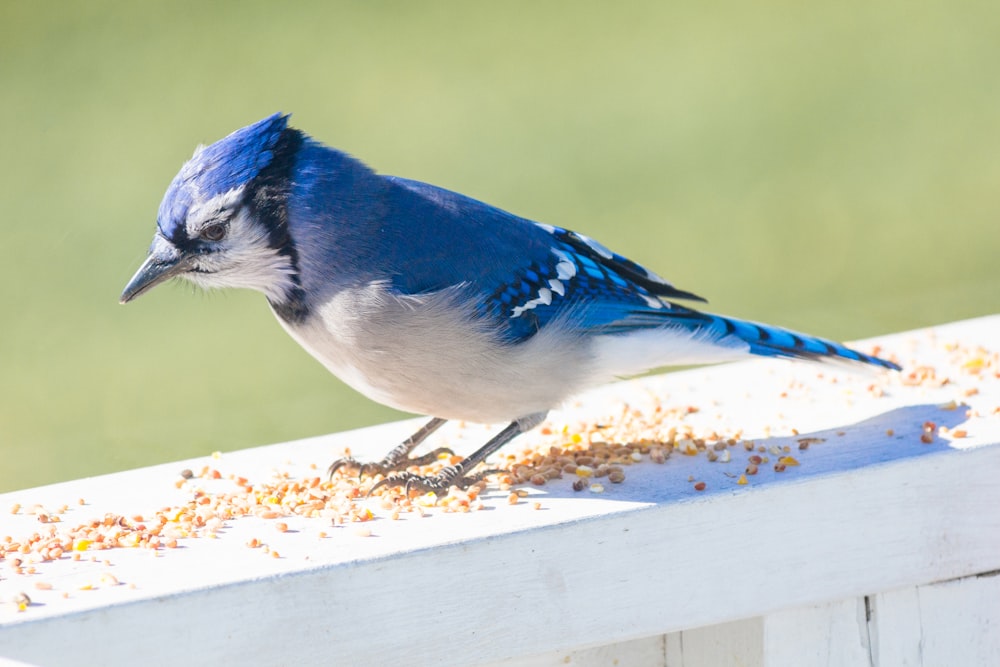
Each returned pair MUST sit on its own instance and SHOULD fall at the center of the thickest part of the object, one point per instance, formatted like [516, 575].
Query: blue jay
[427, 300]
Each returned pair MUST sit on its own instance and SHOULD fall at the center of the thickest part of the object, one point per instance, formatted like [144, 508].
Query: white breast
[424, 354]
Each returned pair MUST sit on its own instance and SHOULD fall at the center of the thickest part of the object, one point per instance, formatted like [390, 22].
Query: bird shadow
[890, 436]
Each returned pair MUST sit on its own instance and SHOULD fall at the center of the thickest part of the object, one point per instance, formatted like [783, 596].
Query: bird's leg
[399, 457]
[456, 475]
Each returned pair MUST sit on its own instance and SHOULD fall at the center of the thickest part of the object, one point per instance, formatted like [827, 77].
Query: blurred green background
[833, 167]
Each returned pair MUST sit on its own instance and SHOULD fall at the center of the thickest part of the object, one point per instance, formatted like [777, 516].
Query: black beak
[163, 263]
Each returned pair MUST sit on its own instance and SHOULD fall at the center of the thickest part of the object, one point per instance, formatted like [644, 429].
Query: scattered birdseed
[22, 601]
[584, 452]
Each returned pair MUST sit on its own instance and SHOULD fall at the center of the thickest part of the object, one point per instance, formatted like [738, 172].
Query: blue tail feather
[771, 341]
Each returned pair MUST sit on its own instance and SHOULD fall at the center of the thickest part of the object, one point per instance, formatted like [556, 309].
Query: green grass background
[833, 167]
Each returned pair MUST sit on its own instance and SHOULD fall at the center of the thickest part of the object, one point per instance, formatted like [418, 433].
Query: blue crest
[227, 164]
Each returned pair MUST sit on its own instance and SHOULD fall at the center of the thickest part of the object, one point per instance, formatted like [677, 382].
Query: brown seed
[579, 484]
[616, 476]
[752, 469]
[699, 486]
[187, 473]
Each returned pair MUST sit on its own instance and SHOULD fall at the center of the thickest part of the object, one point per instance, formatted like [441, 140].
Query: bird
[429, 301]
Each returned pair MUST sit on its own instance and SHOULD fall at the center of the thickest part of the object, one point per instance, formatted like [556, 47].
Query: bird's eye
[213, 232]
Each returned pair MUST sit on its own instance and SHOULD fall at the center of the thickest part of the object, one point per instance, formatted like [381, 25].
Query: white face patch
[243, 258]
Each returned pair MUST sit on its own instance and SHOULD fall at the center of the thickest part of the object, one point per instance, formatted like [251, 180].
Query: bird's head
[222, 222]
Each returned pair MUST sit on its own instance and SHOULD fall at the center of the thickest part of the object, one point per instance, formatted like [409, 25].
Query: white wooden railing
[870, 547]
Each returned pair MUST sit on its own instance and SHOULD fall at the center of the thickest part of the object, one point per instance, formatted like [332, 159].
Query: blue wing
[524, 275]
[607, 292]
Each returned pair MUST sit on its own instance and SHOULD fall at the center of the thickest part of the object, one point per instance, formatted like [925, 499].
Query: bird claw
[396, 460]
[438, 484]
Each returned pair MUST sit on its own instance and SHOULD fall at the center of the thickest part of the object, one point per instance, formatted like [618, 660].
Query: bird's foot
[439, 484]
[396, 460]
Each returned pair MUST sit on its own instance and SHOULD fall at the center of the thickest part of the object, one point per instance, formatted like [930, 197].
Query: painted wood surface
[649, 570]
